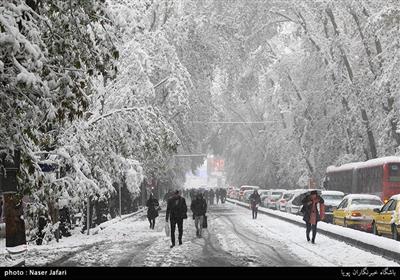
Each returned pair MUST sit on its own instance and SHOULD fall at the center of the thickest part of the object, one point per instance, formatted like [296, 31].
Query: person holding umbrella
[310, 213]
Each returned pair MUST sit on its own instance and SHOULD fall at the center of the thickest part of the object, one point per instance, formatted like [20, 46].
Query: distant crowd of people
[217, 195]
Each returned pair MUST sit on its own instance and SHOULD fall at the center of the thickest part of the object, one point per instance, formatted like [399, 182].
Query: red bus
[380, 176]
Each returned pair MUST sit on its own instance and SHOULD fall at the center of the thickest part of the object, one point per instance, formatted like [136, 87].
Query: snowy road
[232, 239]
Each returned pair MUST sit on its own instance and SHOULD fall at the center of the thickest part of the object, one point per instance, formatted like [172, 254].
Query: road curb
[391, 255]
[116, 220]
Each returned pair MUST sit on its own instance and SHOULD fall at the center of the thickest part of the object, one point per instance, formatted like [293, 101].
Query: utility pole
[88, 215]
[120, 200]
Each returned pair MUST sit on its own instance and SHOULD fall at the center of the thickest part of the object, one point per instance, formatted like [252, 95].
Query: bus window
[394, 172]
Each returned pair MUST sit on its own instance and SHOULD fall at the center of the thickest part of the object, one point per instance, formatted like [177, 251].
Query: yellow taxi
[356, 211]
[386, 220]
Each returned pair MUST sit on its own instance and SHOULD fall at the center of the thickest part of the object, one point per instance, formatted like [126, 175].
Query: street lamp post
[88, 215]
[120, 200]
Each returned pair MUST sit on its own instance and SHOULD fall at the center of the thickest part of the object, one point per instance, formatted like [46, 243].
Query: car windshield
[277, 194]
[332, 197]
[366, 201]
[287, 195]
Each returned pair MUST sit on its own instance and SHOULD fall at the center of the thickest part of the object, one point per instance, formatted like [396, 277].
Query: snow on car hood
[330, 202]
[363, 206]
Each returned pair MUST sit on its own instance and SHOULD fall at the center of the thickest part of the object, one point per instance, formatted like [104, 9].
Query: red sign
[218, 165]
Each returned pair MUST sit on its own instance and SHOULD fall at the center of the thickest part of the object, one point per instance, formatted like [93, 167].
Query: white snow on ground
[233, 237]
[111, 231]
[365, 237]
[233, 244]
[326, 252]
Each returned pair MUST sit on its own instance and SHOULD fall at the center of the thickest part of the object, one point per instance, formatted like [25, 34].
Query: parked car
[287, 195]
[294, 205]
[229, 191]
[246, 195]
[262, 192]
[386, 220]
[235, 194]
[246, 188]
[356, 211]
[332, 200]
[272, 198]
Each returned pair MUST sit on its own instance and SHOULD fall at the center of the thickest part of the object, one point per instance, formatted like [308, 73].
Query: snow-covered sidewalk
[379, 244]
[111, 231]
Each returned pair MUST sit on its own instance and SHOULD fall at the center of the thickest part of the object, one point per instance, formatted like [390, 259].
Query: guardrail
[386, 247]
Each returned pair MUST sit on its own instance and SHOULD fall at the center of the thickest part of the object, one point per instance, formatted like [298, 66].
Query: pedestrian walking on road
[199, 209]
[255, 200]
[310, 213]
[211, 196]
[223, 195]
[206, 195]
[152, 210]
[192, 194]
[217, 194]
[176, 212]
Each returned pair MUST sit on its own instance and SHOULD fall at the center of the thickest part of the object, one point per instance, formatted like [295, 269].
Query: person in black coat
[199, 209]
[152, 210]
[168, 195]
[176, 213]
[211, 196]
[310, 213]
[223, 195]
[255, 200]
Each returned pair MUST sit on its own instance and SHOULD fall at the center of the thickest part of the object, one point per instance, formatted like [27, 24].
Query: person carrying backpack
[176, 213]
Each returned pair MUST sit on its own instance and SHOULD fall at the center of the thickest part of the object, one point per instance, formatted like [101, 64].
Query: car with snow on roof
[246, 195]
[294, 204]
[272, 197]
[356, 211]
[234, 194]
[287, 195]
[246, 188]
[386, 220]
[332, 200]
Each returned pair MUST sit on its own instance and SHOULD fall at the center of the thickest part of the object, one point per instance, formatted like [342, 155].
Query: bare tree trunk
[15, 225]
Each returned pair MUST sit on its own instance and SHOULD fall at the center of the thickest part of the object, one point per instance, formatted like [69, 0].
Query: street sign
[45, 167]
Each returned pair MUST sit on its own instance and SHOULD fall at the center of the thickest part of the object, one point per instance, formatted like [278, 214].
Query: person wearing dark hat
[310, 213]
[176, 212]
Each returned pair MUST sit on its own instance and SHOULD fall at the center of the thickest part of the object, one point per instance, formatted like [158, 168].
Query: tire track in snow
[278, 259]
[299, 245]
